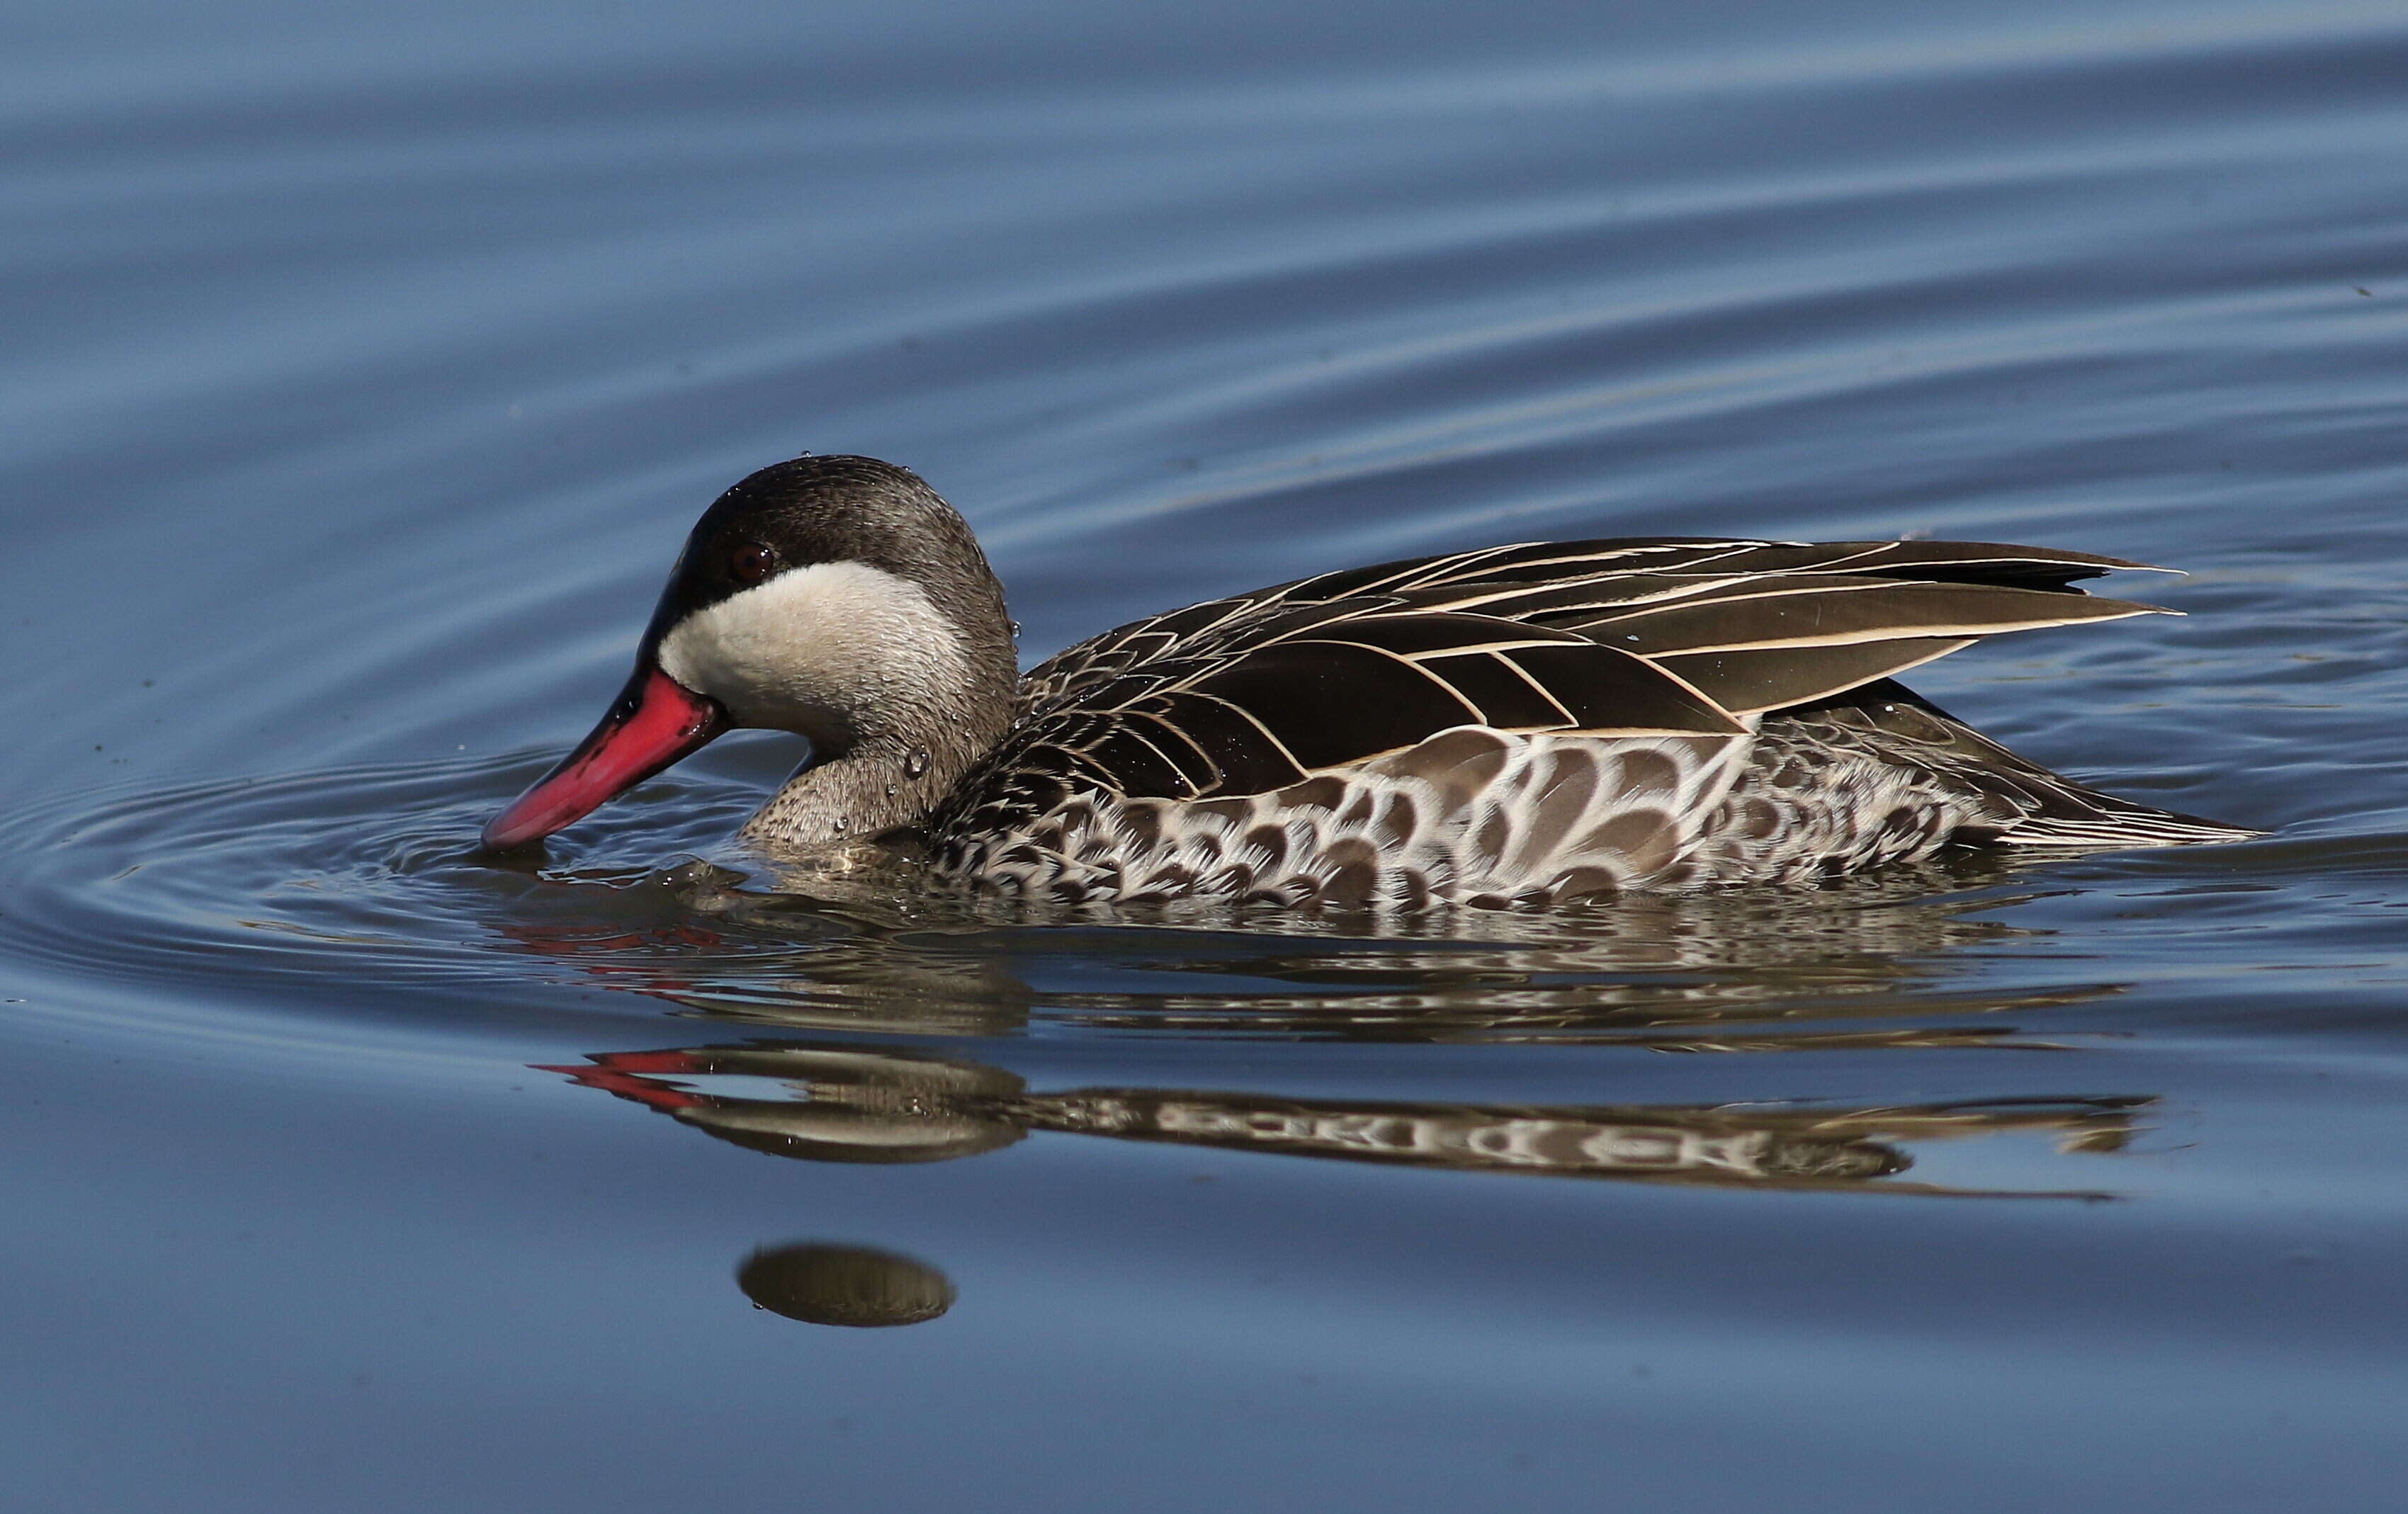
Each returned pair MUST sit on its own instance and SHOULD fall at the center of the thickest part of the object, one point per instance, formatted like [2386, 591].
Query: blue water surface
[366, 366]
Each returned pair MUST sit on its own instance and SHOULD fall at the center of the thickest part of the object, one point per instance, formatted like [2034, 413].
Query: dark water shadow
[855, 1287]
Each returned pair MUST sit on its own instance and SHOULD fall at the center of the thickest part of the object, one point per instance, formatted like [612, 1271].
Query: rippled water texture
[363, 371]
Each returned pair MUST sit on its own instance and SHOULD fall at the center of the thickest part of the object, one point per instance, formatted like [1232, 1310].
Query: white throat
[834, 651]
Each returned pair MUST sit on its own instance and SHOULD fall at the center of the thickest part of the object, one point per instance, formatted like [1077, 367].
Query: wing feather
[1608, 691]
[1246, 757]
[1838, 612]
[1752, 681]
[1331, 702]
[1508, 698]
[1677, 636]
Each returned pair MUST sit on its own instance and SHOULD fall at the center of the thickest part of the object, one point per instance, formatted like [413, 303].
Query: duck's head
[835, 597]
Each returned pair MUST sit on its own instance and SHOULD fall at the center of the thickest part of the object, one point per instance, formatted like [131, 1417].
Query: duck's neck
[883, 784]
[899, 682]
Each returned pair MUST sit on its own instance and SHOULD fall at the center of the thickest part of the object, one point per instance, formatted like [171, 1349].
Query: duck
[1514, 726]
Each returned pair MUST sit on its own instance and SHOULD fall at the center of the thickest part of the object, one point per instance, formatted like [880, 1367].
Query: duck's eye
[752, 562]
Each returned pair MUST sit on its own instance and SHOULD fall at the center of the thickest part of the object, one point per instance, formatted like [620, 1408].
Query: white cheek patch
[822, 649]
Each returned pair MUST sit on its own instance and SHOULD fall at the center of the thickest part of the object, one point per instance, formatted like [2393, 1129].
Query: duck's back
[1531, 724]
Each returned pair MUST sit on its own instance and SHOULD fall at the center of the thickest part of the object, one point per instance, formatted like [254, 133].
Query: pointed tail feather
[2076, 816]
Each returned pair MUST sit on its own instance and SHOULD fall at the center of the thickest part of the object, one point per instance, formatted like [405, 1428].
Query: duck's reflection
[1869, 964]
[825, 1103]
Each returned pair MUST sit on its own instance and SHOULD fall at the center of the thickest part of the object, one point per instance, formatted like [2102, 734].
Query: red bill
[655, 721]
